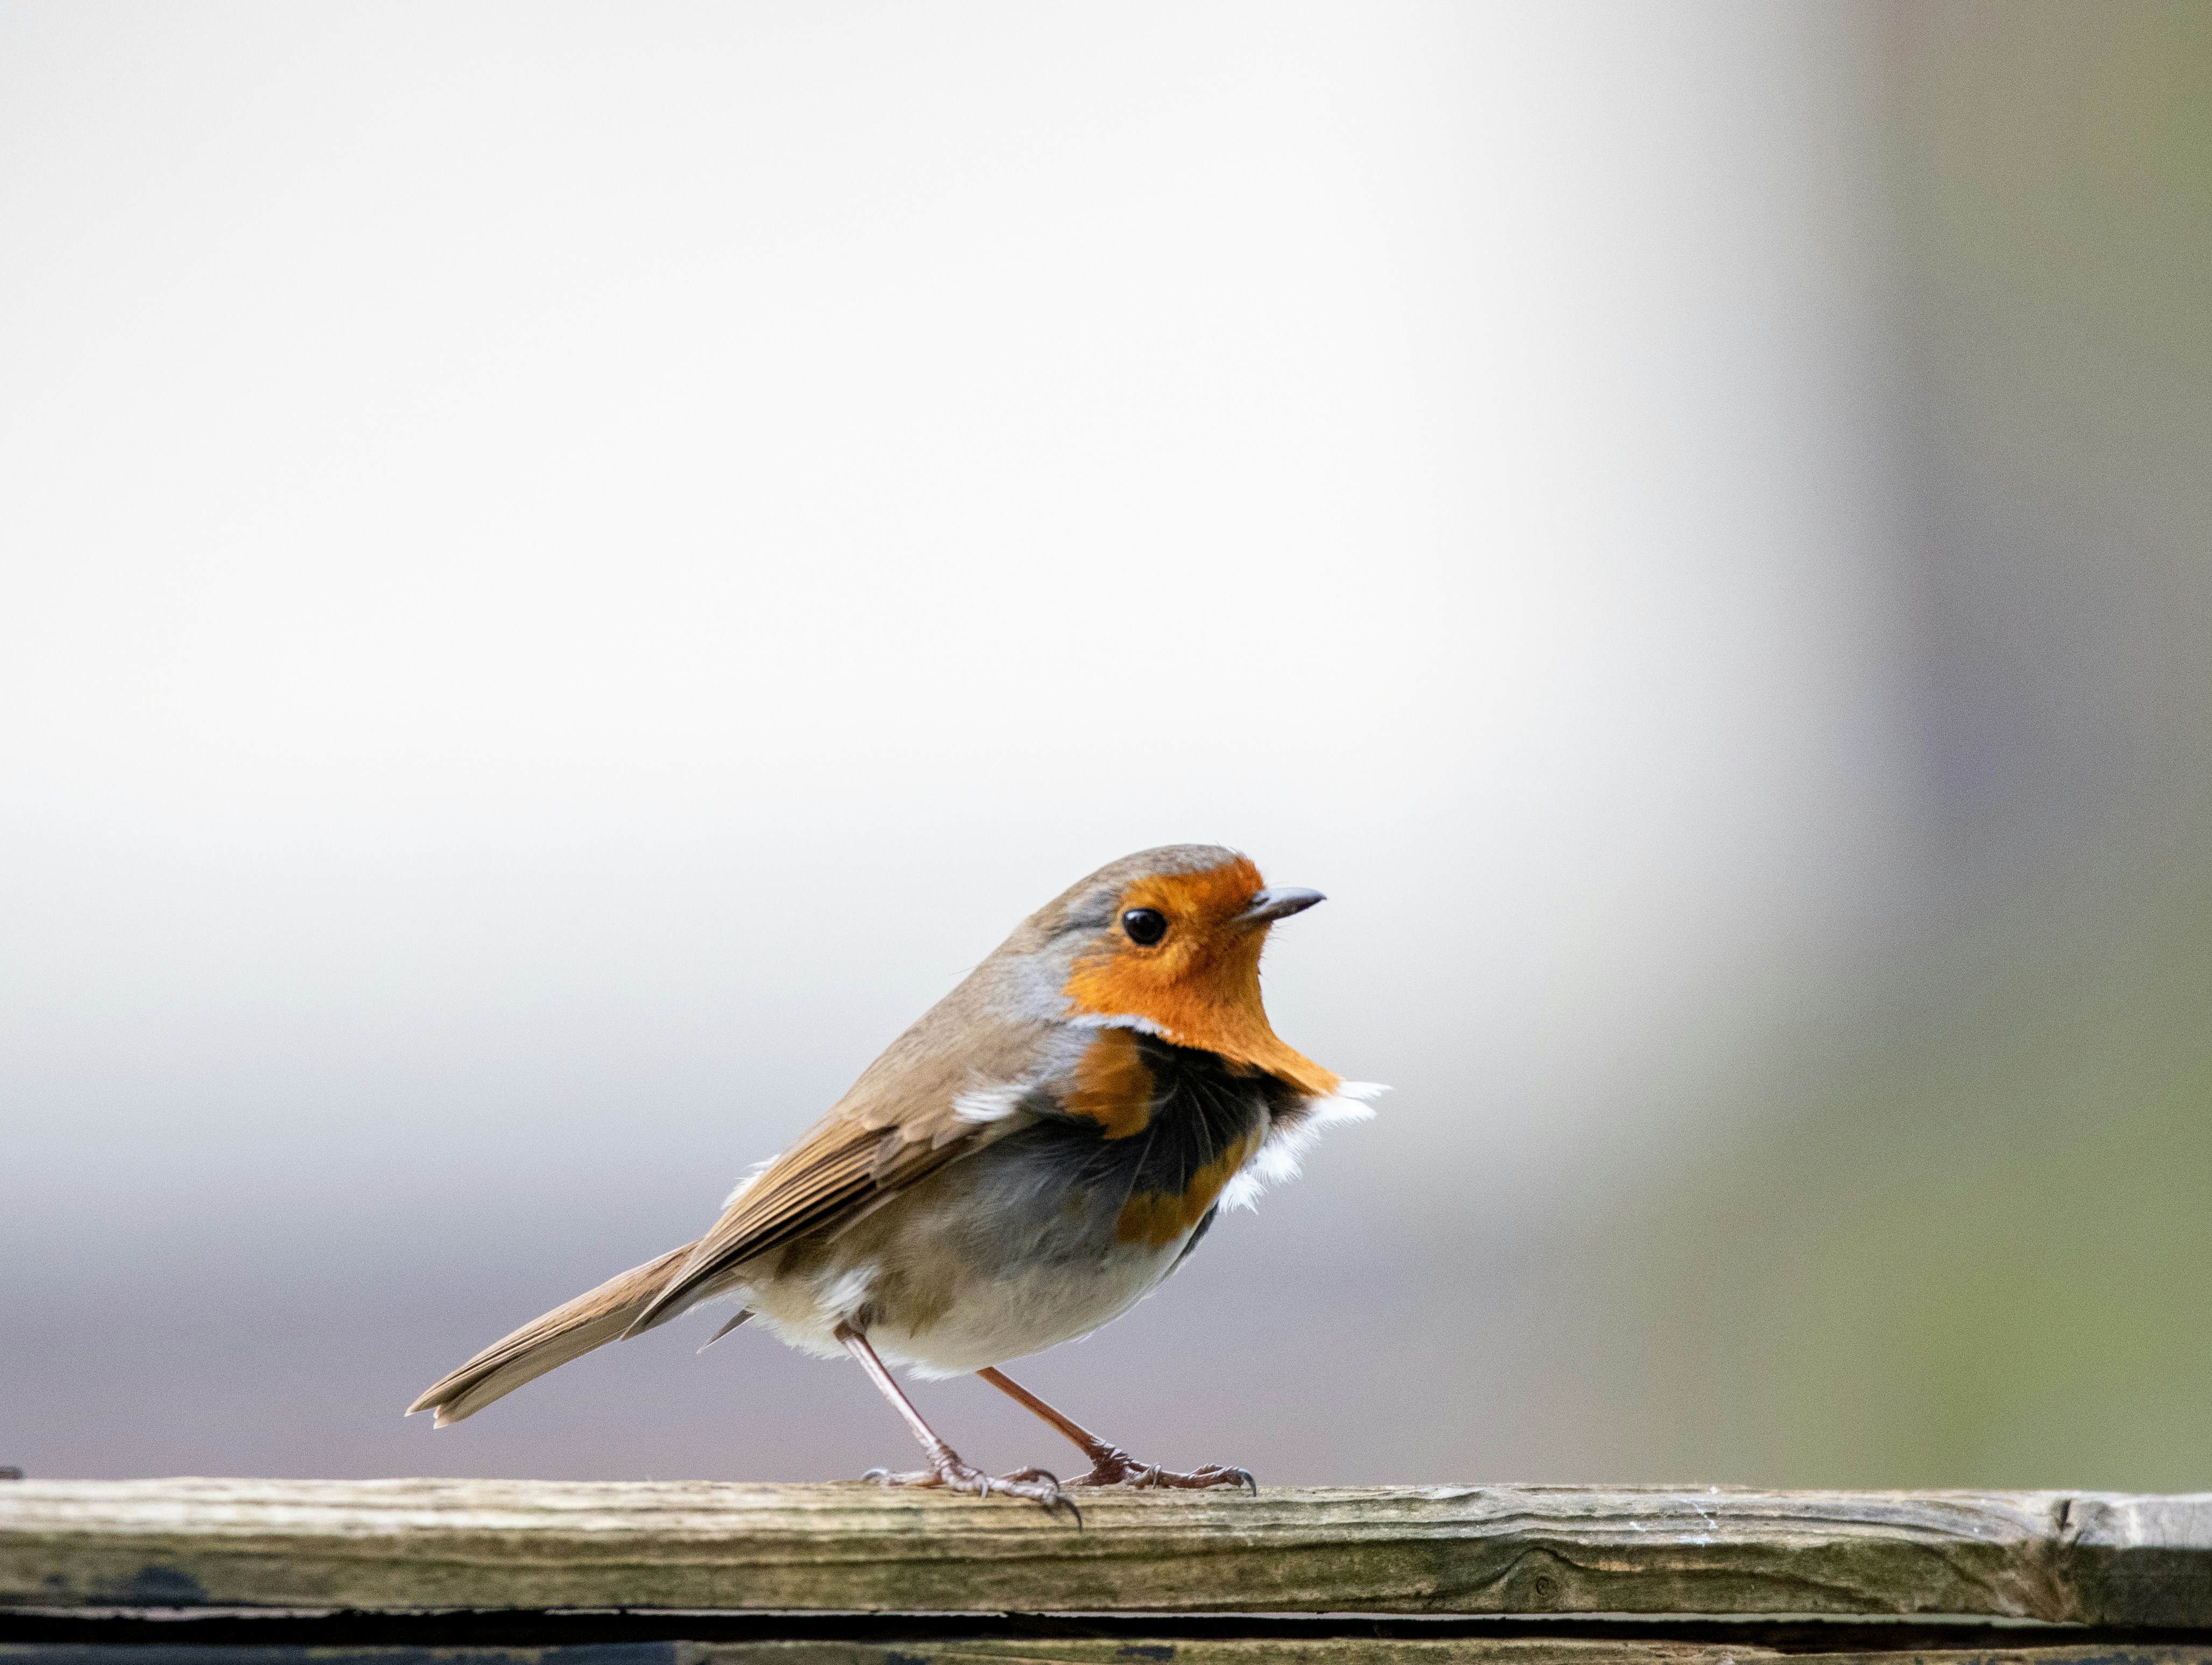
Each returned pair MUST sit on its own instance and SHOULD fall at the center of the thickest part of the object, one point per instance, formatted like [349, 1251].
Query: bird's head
[1168, 941]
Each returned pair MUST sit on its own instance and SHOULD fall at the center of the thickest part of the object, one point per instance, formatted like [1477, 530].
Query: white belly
[935, 1291]
[1025, 1313]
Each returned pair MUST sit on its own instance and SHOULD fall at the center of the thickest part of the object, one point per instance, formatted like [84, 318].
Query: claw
[1050, 1493]
[1116, 1467]
[1035, 1483]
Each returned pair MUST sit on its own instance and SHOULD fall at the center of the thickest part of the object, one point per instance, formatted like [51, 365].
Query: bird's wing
[940, 1091]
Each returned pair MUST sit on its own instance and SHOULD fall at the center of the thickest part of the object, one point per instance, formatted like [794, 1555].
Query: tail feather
[592, 1319]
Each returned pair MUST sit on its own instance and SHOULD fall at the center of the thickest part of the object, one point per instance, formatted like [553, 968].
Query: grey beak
[1278, 902]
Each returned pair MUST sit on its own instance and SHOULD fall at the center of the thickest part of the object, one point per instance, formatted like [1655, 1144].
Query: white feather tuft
[848, 1293]
[1143, 1026]
[1277, 1160]
[993, 1103]
[746, 1183]
[1243, 1191]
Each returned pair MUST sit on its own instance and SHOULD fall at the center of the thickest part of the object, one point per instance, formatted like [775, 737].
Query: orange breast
[1112, 1085]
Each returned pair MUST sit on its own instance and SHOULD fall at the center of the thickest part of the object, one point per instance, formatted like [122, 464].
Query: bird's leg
[1109, 1464]
[945, 1468]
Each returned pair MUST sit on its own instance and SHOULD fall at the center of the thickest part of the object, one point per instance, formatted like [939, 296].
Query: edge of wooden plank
[2141, 1560]
[2067, 1558]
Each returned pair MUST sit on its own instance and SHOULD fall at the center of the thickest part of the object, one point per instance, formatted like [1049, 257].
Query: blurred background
[569, 569]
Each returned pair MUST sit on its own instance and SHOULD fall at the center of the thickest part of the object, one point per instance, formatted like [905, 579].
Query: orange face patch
[1200, 984]
[1112, 1085]
[1158, 1218]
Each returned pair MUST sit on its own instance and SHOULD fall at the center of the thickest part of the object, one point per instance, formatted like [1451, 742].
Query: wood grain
[2065, 1557]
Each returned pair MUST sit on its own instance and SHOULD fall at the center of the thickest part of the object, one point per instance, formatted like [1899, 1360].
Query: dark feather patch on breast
[1201, 1111]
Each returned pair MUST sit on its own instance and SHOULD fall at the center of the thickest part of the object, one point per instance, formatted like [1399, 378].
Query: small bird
[1028, 1160]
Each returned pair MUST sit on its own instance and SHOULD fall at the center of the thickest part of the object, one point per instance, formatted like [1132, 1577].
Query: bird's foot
[948, 1471]
[1111, 1466]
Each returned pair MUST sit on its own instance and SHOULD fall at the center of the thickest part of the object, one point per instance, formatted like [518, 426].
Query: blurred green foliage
[1969, 1244]
[1963, 1236]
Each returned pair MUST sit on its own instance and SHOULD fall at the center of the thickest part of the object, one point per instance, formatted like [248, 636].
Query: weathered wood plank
[413, 1543]
[1519, 1651]
[996, 1651]
[1393, 1651]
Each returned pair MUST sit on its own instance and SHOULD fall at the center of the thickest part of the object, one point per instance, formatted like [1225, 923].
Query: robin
[1030, 1160]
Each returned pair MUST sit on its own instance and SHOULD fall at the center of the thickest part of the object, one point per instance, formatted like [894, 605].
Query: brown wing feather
[592, 1319]
[839, 1171]
[897, 1124]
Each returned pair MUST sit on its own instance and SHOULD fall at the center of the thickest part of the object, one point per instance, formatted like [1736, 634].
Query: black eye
[1146, 925]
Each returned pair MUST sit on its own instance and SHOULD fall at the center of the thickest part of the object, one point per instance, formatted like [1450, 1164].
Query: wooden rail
[852, 1575]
